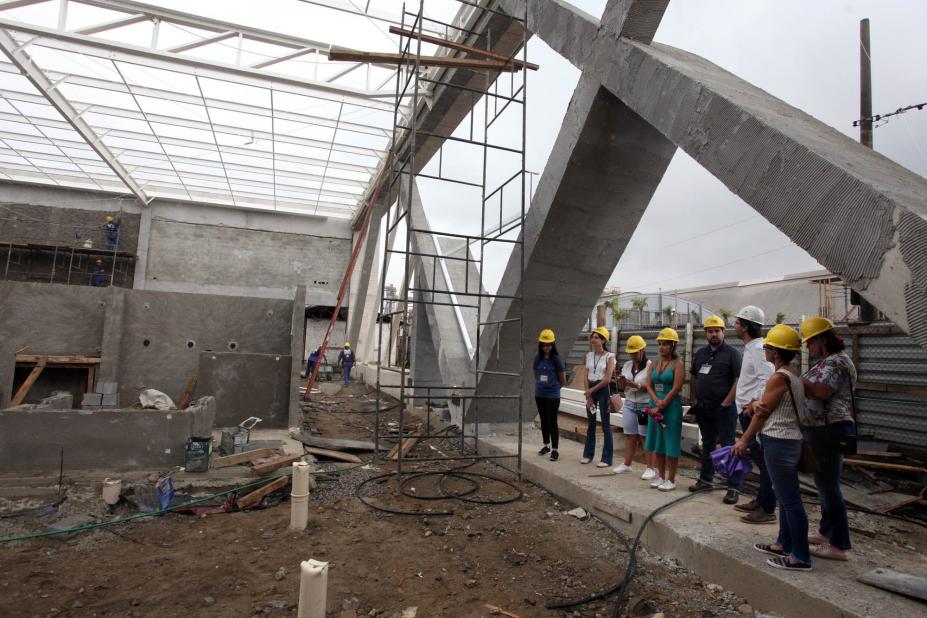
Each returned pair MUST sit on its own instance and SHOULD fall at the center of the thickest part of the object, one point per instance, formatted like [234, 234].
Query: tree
[726, 314]
[619, 313]
[668, 314]
[695, 317]
[639, 303]
[780, 318]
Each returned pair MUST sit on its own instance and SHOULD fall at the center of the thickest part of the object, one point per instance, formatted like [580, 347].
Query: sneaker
[649, 474]
[554, 456]
[602, 464]
[656, 483]
[667, 486]
[784, 562]
[816, 538]
[766, 548]
[621, 469]
[829, 552]
[544, 450]
[759, 516]
[584, 460]
[747, 507]
[700, 485]
[731, 497]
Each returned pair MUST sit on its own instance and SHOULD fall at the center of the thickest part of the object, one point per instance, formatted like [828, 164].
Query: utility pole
[867, 312]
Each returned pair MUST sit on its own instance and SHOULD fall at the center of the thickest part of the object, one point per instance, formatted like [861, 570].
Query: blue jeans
[716, 425]
[782, 457]
[765, 496]
[834, 524]
[346, 371]
[600, 399]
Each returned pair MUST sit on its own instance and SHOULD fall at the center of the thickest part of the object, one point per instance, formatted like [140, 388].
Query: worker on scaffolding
[346, 358]
[111, 229]
[98, 275]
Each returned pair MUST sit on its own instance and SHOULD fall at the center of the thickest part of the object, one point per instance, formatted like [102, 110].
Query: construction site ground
[515, 557]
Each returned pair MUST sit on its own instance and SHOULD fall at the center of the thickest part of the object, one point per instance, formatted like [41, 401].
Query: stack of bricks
[105, 395]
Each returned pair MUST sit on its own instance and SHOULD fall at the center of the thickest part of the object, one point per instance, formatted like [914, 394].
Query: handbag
[839, 441]
[807, 463]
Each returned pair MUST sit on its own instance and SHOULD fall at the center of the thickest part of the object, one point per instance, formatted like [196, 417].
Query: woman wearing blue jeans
[600, 365]
[828, 402]
[777, 419]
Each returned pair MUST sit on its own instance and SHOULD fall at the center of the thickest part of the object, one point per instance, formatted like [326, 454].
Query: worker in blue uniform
[98, 275]
[111, 228]
[346, 358]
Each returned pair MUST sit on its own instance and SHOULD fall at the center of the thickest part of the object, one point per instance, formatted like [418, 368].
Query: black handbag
[839, 441]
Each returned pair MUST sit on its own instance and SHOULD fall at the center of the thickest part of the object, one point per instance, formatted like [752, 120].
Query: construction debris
[895, 581]
[245, 457]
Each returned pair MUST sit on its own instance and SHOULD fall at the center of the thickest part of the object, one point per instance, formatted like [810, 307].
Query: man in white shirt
[755, 371]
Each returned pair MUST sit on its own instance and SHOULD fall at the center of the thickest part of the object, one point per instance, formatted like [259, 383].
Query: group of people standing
[779, 411]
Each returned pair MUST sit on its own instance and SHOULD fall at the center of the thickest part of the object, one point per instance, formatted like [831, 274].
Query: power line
[897, 112]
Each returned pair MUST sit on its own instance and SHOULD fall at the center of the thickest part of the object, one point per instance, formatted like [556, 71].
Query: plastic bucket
[196, 454]
[112, 488]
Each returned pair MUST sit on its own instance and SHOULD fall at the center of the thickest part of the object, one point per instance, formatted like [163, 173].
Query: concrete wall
[31, 438]
[47, 225]
[247, 385]
[188, 247]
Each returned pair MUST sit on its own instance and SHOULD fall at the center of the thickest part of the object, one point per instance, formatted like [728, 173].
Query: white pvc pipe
[112, 488]
[313, 589]
[299, 496]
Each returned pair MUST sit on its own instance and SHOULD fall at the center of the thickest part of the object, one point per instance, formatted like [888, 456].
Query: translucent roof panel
[119, 96]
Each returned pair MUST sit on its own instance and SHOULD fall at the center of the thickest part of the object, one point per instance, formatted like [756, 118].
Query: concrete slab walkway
[705, 535]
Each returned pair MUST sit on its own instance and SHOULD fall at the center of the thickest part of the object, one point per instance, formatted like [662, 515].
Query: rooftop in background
[125, 97]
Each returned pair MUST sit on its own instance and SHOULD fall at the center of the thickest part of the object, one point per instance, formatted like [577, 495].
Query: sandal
[767, 548]
[829, 552]
[785, 563]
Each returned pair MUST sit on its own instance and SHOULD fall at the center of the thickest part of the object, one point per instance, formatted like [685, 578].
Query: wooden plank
[27, 385]
[461, 47]
[256, 496]
[274, 464]
[353, 55]
[56, 360]
[348, 457]
[888, 454]
[499, 610]
[407, 445]
[187, 393]
[896, 581]
[245, 457]
[881, 465]
[336, 444]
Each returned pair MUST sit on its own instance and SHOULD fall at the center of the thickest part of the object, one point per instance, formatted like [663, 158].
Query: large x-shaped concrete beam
[859, 214]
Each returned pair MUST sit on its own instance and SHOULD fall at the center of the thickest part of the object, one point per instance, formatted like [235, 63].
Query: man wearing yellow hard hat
[111, 229]
[346, 358]
[712, 387]
[98, 274]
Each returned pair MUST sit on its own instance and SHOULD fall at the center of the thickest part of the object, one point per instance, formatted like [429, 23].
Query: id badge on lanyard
[659, 388]
[705, 369]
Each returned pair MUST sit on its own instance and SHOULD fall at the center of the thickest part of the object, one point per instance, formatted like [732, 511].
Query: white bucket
[112, 488]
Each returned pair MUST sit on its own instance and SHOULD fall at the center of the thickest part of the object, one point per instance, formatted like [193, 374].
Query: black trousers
[547, 410]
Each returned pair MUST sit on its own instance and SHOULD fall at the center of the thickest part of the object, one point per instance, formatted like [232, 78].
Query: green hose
[122, 520]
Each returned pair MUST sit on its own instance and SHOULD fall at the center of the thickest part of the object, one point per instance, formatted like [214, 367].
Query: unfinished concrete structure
[636, 102]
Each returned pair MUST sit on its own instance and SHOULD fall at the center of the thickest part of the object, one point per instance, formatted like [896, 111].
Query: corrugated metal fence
[891, 395]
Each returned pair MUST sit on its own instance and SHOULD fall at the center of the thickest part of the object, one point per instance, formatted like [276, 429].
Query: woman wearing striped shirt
[777, 419]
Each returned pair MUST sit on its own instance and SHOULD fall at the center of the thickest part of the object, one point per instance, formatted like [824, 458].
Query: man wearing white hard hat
[755, 372]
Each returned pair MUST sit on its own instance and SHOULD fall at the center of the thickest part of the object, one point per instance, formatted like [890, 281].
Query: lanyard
[595, 361]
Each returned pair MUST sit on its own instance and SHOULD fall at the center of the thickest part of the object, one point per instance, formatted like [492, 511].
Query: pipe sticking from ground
[313, 589]
[299, 496]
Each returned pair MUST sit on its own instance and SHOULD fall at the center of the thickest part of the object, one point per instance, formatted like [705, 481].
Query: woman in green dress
[664, 428]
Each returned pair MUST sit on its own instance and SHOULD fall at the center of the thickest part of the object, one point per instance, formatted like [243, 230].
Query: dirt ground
[515, 556]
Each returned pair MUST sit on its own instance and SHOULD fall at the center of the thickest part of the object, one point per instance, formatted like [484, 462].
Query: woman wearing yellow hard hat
[664, 430]
[633, 380]
[831, 429]
[778, 421]
[549, 376]
[600, 365]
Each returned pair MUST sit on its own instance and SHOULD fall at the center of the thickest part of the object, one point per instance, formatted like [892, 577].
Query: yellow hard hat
[547, 336]
[668, 334]
[635, 343]
[347, 344]
[109, 218]
[814, 326]
[603, 333]
[783, 337]
[99, 261]
[714, 321]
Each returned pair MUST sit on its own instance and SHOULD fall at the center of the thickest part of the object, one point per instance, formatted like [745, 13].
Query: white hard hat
[753, 314]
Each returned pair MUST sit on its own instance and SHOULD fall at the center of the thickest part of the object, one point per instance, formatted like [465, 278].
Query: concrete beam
[297, 353]
[604, 168]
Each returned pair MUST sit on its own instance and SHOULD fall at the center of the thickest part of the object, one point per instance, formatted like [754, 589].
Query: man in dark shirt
[712, 385]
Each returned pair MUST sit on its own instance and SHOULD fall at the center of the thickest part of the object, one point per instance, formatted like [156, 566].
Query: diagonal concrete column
[603, 170]
[365, 277]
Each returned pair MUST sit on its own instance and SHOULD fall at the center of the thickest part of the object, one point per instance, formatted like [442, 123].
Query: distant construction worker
[111, 228]
[98, 275]
[755, 372]
[311, 361]
[713, 384]
[346, 358]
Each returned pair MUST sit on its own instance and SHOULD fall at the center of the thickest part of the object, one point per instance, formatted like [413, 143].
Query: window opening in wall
[36, 377]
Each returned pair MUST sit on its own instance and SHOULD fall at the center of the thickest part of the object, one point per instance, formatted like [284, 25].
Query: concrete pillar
[111, 353]
[297, 347]
[144, 242]
[603, 170]
[364, 277]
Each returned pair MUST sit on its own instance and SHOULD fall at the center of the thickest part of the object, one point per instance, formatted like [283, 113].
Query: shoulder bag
[807, 464]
